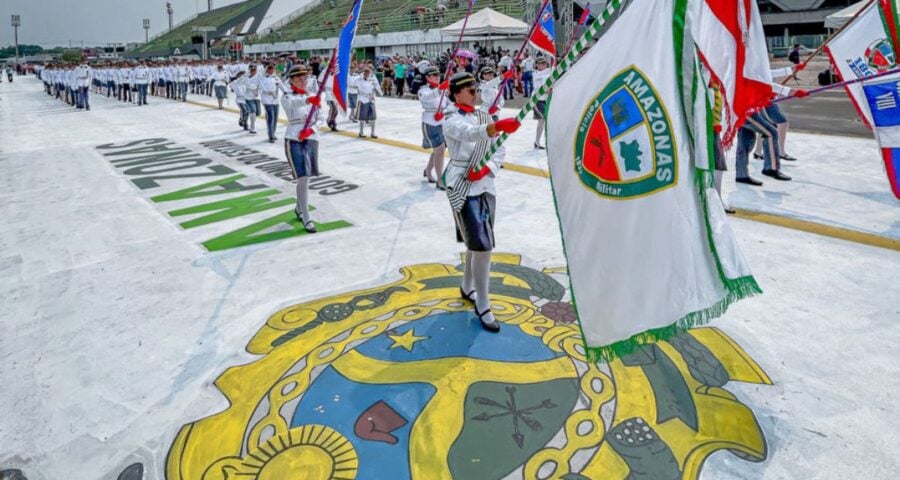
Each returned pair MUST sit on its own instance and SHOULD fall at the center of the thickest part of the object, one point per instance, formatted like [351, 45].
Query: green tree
[24, 50]
[73, 55]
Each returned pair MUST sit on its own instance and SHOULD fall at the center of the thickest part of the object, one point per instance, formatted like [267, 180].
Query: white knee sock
[372, 128]
[540, 132]
[468, 282]
[430, 165]
[361, 126]
[439, 161]
[303, 198]
[481, 271]
[782, 133]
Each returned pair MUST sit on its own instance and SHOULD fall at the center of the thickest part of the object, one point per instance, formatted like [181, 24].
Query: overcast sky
[52, 23]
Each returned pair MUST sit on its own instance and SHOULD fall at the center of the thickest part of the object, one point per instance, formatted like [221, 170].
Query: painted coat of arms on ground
[401, 382]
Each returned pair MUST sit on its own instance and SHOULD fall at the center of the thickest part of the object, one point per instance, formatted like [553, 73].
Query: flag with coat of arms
[883, 105]
[630, 144]
[864, 48]
[543, 36]
[344, 52]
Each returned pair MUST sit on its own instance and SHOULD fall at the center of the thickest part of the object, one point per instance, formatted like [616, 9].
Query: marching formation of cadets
[450, 118]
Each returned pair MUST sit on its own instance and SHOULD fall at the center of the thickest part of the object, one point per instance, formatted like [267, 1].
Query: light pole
[16, 21]
[146, 30]
[171, 12]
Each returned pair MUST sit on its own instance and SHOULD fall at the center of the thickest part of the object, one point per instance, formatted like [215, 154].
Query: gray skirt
[303, 157]
[432, 135]
[475, 223]
[220, 91]
[366, 112]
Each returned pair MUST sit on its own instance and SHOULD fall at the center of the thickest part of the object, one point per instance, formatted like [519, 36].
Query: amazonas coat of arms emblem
[624, 147]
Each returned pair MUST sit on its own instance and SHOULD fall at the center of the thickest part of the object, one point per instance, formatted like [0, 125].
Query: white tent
[488, 22]
[838, 19]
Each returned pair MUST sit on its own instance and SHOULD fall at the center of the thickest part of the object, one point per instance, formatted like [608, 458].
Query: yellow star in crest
[407, 340]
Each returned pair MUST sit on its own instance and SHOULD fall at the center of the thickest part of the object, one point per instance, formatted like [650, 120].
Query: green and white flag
[649, 249]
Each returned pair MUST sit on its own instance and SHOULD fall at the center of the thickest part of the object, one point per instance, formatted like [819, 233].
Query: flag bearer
[430, 96]
[301, 146]
[469, 134]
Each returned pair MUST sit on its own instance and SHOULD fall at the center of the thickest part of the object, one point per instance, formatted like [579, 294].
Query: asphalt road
[829, 113]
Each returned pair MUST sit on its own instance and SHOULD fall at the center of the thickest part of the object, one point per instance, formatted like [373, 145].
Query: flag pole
[825, 43]
[450, 61]
[537, 20]
[574, 30]
[598, 26]
[315, 108]
[839, 85]
[331, 63]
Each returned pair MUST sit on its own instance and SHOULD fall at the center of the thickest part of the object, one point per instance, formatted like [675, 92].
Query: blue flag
[884, 103]
[544, 36]
[345, 50]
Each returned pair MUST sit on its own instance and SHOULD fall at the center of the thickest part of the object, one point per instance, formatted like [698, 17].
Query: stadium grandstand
[235, 20]
[383, 16]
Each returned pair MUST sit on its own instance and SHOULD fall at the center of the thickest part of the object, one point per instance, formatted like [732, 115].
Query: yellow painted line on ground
[777, 220]
[537, 172]
[855, 236]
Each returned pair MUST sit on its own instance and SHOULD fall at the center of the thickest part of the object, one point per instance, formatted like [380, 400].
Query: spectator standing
[528, 75]
[399, 77]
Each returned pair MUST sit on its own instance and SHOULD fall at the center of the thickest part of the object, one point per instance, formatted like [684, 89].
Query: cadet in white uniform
[353, 91]
[301, 146]
[368, 87]
[269, 86]
[469, 134]
[141, 76]
[219, 80]
[540, 76]
[488, 88]
[251, 93]
[240, 97]
[431, 96]
[84, 78]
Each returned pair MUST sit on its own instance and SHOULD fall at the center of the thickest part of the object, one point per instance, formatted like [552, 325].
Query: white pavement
[116, 320]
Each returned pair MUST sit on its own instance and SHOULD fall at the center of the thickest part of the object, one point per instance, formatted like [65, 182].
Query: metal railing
[395, 17]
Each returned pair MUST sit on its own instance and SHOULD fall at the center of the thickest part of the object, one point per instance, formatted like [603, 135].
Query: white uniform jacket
[297, 109]
[367, 89]
[462, 132]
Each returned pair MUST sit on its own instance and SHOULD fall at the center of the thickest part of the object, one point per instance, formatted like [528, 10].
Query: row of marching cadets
[69, 83]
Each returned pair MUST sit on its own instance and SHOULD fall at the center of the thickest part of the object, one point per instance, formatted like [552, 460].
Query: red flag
[732, 45]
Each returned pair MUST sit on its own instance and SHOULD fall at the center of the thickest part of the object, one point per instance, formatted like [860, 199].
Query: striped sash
[458, 192]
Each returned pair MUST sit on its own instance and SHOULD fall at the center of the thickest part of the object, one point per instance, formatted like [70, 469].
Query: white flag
[863, 49]
[649, 250]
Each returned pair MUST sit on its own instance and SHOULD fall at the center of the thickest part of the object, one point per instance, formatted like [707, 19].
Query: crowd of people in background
[256, 85]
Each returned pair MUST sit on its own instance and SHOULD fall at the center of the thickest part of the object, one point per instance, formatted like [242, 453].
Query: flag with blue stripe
[884, 105]
[344, 52]
[544, 36]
